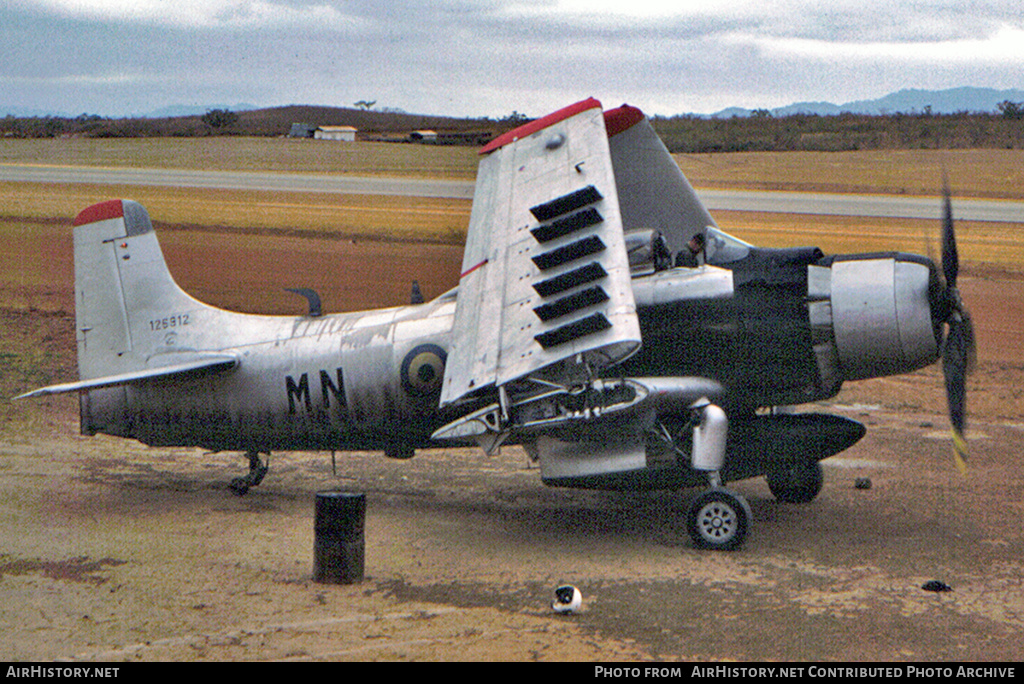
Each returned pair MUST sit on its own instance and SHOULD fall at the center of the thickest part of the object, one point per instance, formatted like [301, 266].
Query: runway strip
[239, 180]
[888, 206]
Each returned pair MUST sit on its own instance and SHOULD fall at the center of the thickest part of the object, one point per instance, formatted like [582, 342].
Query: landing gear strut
[257, 471]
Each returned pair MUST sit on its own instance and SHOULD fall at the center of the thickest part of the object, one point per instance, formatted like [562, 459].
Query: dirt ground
[117, 552]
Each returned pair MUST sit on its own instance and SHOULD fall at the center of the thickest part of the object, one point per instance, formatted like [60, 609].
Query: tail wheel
[718, 520]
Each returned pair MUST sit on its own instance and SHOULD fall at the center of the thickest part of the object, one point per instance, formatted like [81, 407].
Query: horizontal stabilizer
[209, 363]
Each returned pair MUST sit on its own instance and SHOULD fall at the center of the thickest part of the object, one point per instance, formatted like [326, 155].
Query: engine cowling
[873, 315]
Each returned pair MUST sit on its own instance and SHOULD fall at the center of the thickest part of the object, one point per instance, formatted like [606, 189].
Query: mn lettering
[299, 395]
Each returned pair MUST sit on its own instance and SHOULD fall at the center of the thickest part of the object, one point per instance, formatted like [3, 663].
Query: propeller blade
[955, 355]
[958, 349]
[954, 370]
[950, 258]
[958, 353]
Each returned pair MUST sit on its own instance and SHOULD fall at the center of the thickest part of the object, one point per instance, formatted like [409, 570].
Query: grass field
[410, 219]
[973, 173]
[249, 154]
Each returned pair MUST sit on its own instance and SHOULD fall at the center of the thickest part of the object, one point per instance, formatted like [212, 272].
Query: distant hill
[278, 120]
[25, 112]
[195, 110]
[910, 101]
[911, 119]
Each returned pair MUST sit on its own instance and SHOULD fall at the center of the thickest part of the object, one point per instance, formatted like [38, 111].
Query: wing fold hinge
[568, 413]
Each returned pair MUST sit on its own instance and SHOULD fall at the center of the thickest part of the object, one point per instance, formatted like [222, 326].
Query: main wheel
[796, 481]
[719, 520]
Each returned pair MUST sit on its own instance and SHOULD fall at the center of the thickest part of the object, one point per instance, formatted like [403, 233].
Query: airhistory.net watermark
[813, 671]
[54, 672]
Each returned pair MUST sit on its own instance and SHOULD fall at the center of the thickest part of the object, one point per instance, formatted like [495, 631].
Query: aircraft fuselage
[769, 329]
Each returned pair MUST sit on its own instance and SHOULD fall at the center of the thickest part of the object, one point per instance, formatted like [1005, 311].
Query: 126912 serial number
[169, 322]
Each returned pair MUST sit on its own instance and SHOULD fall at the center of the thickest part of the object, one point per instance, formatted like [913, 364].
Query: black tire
[718, 520]
[796, 482]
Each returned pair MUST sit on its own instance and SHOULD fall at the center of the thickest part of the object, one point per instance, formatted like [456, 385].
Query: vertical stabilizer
[128, 307]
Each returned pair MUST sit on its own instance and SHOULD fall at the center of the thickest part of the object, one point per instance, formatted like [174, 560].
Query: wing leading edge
[545, 277]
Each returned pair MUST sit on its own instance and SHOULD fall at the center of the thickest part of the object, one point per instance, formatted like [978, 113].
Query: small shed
[423, 136]
[302, 130]
[346, 133]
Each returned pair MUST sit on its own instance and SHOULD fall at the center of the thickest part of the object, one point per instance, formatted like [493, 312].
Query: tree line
[682, 134]
[763, 132]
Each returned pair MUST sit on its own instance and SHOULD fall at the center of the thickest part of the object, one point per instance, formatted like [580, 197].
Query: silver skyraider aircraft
[602, 321]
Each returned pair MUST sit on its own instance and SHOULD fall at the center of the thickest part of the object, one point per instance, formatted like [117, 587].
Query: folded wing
[654, 193]
[545, 284]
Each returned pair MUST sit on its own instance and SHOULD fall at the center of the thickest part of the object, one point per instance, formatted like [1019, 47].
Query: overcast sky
[492, 57]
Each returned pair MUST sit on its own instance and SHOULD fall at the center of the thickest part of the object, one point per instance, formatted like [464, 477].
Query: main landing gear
[257, 471]
[717, 518]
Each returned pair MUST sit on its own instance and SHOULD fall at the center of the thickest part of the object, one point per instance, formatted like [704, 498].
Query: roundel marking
[423, 370]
